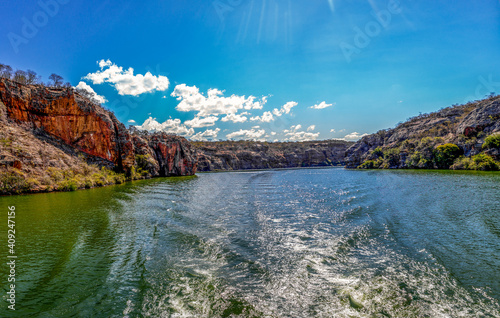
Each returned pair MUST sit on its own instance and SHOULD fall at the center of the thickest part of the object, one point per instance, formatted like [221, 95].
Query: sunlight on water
[293, 243]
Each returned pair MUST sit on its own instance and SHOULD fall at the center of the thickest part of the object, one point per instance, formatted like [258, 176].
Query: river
[285, 243]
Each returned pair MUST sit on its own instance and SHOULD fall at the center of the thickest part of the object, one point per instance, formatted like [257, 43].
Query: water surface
[290, 243]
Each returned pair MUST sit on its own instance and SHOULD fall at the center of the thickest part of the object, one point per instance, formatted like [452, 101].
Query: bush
[368, 164]
[67, 185]
[492, 141]
[480, 161]
[12, 182]
[377, 152]
[484, 162]
[446, 154]
[391, 158]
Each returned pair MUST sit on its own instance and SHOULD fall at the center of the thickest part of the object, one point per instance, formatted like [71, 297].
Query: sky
[272, 70]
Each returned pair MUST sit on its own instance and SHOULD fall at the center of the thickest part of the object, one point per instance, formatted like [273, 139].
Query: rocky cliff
[240, 155]
[415, 143]
[43, 127]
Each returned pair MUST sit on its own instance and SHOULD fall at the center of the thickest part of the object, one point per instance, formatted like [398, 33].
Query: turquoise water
[290, 243]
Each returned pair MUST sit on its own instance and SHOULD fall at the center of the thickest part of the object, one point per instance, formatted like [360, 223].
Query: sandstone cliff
[240, 155]
[413, 144]
[43, 127]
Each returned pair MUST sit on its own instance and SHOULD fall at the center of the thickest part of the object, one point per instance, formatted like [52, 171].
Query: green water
[290, 243]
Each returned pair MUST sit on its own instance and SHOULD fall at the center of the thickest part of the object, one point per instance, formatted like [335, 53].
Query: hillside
[52, 138]
[457, 137]
[240, 155]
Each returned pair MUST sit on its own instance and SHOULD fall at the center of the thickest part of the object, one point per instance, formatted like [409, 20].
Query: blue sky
[252, 69]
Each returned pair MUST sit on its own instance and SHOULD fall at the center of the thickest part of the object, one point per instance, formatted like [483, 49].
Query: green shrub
[391, 158]
[368, 164]
[67, 185]
[446, 154]
[492, 141]
[484, 162]
[55, 174]
[12, 182]
[377, 152]
[462, 163]
[480, 161]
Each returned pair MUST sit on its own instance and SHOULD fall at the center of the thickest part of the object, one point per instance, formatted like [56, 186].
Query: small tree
[32, 77]
[57, 80]
[5, 71]
[20, 77]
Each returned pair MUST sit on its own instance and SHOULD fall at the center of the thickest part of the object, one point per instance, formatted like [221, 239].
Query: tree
[20, 77]
[57, 80]
[5, 71]
[32, 77]
[446, 155]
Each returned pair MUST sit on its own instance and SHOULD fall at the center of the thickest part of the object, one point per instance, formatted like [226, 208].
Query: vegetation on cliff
[241, 155]
[458, 137]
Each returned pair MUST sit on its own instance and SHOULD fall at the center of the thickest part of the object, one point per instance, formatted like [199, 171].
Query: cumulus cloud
[125, 82]
[285, 109]
[236, 118]
[84, 86]
[247, 134]
[332, 130]
[131, 121]
[311, 128]
[354, 136]
[214, 103]
[198, 122]
[322, 105]
[171, 126]
[267, 117]
[294, 134]
[206, 135]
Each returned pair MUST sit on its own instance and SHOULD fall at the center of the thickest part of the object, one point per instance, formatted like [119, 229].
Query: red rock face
[173, 154]
[65, 115]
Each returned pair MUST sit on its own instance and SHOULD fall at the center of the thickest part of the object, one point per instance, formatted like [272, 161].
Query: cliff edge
[456, 137]
[44, 129]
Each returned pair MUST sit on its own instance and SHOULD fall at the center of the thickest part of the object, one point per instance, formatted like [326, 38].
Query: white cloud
[214, 103]
[86, 87]
[247, 134]
[171, 126]
[131, 121]
[207, 134]
[294, 134]
[255, 127]
[322, 105]
[311, 128]
[103, 63]
[236, 118]
[285, 109]
[267, 117]
[354, 136]
[125, 82]
[202, 122]
[332, 130]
